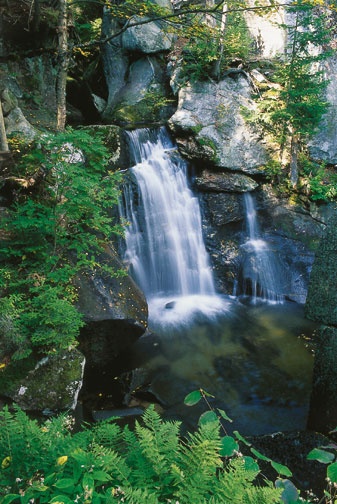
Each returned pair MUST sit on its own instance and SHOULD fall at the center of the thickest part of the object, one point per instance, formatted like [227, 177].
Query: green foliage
[200, 54]
[292, 108]
[203, 48]
[106, 463]
[318, 181]
[237, 40]
[50, 235]
[327, 455]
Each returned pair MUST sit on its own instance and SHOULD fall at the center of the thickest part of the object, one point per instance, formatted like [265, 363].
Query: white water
[165, 249]
[261, 270]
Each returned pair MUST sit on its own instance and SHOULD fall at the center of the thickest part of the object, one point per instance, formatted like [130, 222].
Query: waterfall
[165, 250]
[261, 272]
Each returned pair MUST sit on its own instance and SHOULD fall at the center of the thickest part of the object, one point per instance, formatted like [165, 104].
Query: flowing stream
[250, 356]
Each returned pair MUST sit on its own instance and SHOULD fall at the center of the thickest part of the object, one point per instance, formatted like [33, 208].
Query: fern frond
[113, 463]
[138, 496]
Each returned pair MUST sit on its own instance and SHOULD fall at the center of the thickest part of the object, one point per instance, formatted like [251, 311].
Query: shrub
[48, 236]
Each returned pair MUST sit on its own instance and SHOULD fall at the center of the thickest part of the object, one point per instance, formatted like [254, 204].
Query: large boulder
[115, 312]
[16, 123]
[209, 124]
[52, 385]
[102, 296]
[143, 97]
[115, 61]
[149, 38]
[321, 306]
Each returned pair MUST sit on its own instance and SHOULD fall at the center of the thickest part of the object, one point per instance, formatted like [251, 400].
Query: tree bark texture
[63, 63]
[3, 136]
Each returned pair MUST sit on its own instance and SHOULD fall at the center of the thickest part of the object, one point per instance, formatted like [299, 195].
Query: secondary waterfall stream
[262, 275]
[248, 355]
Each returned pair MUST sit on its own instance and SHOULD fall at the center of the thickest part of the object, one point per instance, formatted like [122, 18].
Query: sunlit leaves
[320, 455]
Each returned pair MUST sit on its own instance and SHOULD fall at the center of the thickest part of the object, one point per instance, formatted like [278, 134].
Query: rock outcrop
[115, 312]
[321, 306]
[135, 71]
[209, 125]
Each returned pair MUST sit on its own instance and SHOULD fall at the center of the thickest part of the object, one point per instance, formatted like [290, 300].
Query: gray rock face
[225, 182]
[210, 126]
[15, 122]
[137, 101]
[146, 38]
[115, 62]
[323, 145]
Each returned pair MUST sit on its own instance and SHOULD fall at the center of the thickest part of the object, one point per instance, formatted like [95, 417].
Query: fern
[106, 464]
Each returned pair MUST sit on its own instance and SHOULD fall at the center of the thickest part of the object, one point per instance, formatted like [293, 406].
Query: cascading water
[164, 244]
[239, 352]
[261, 271]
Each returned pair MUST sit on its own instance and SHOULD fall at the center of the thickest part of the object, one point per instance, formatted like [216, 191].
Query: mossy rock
[51, 384]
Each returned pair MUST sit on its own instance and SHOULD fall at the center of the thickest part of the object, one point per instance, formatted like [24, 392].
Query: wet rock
[225, 182]
[106, 297]
[291, 449]
[115, 312]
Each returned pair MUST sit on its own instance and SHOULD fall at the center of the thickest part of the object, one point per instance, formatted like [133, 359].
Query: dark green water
[255, 360]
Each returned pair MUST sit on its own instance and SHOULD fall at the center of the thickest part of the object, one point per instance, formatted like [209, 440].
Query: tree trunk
[3, 136]
[63, 63]
[294, 160]
[217, 69]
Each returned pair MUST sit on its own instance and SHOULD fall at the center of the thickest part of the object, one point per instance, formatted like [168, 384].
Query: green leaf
[241, 438]
[228, 446]
[321, 456]
[88, 482]
[61, 499]
[251, 464]
[281, 469]
[101, 476]
[207, 417]
[332, 472]
[10, 498]
[224, 415]
[260, 455]
[64, 483]
[192, 398]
